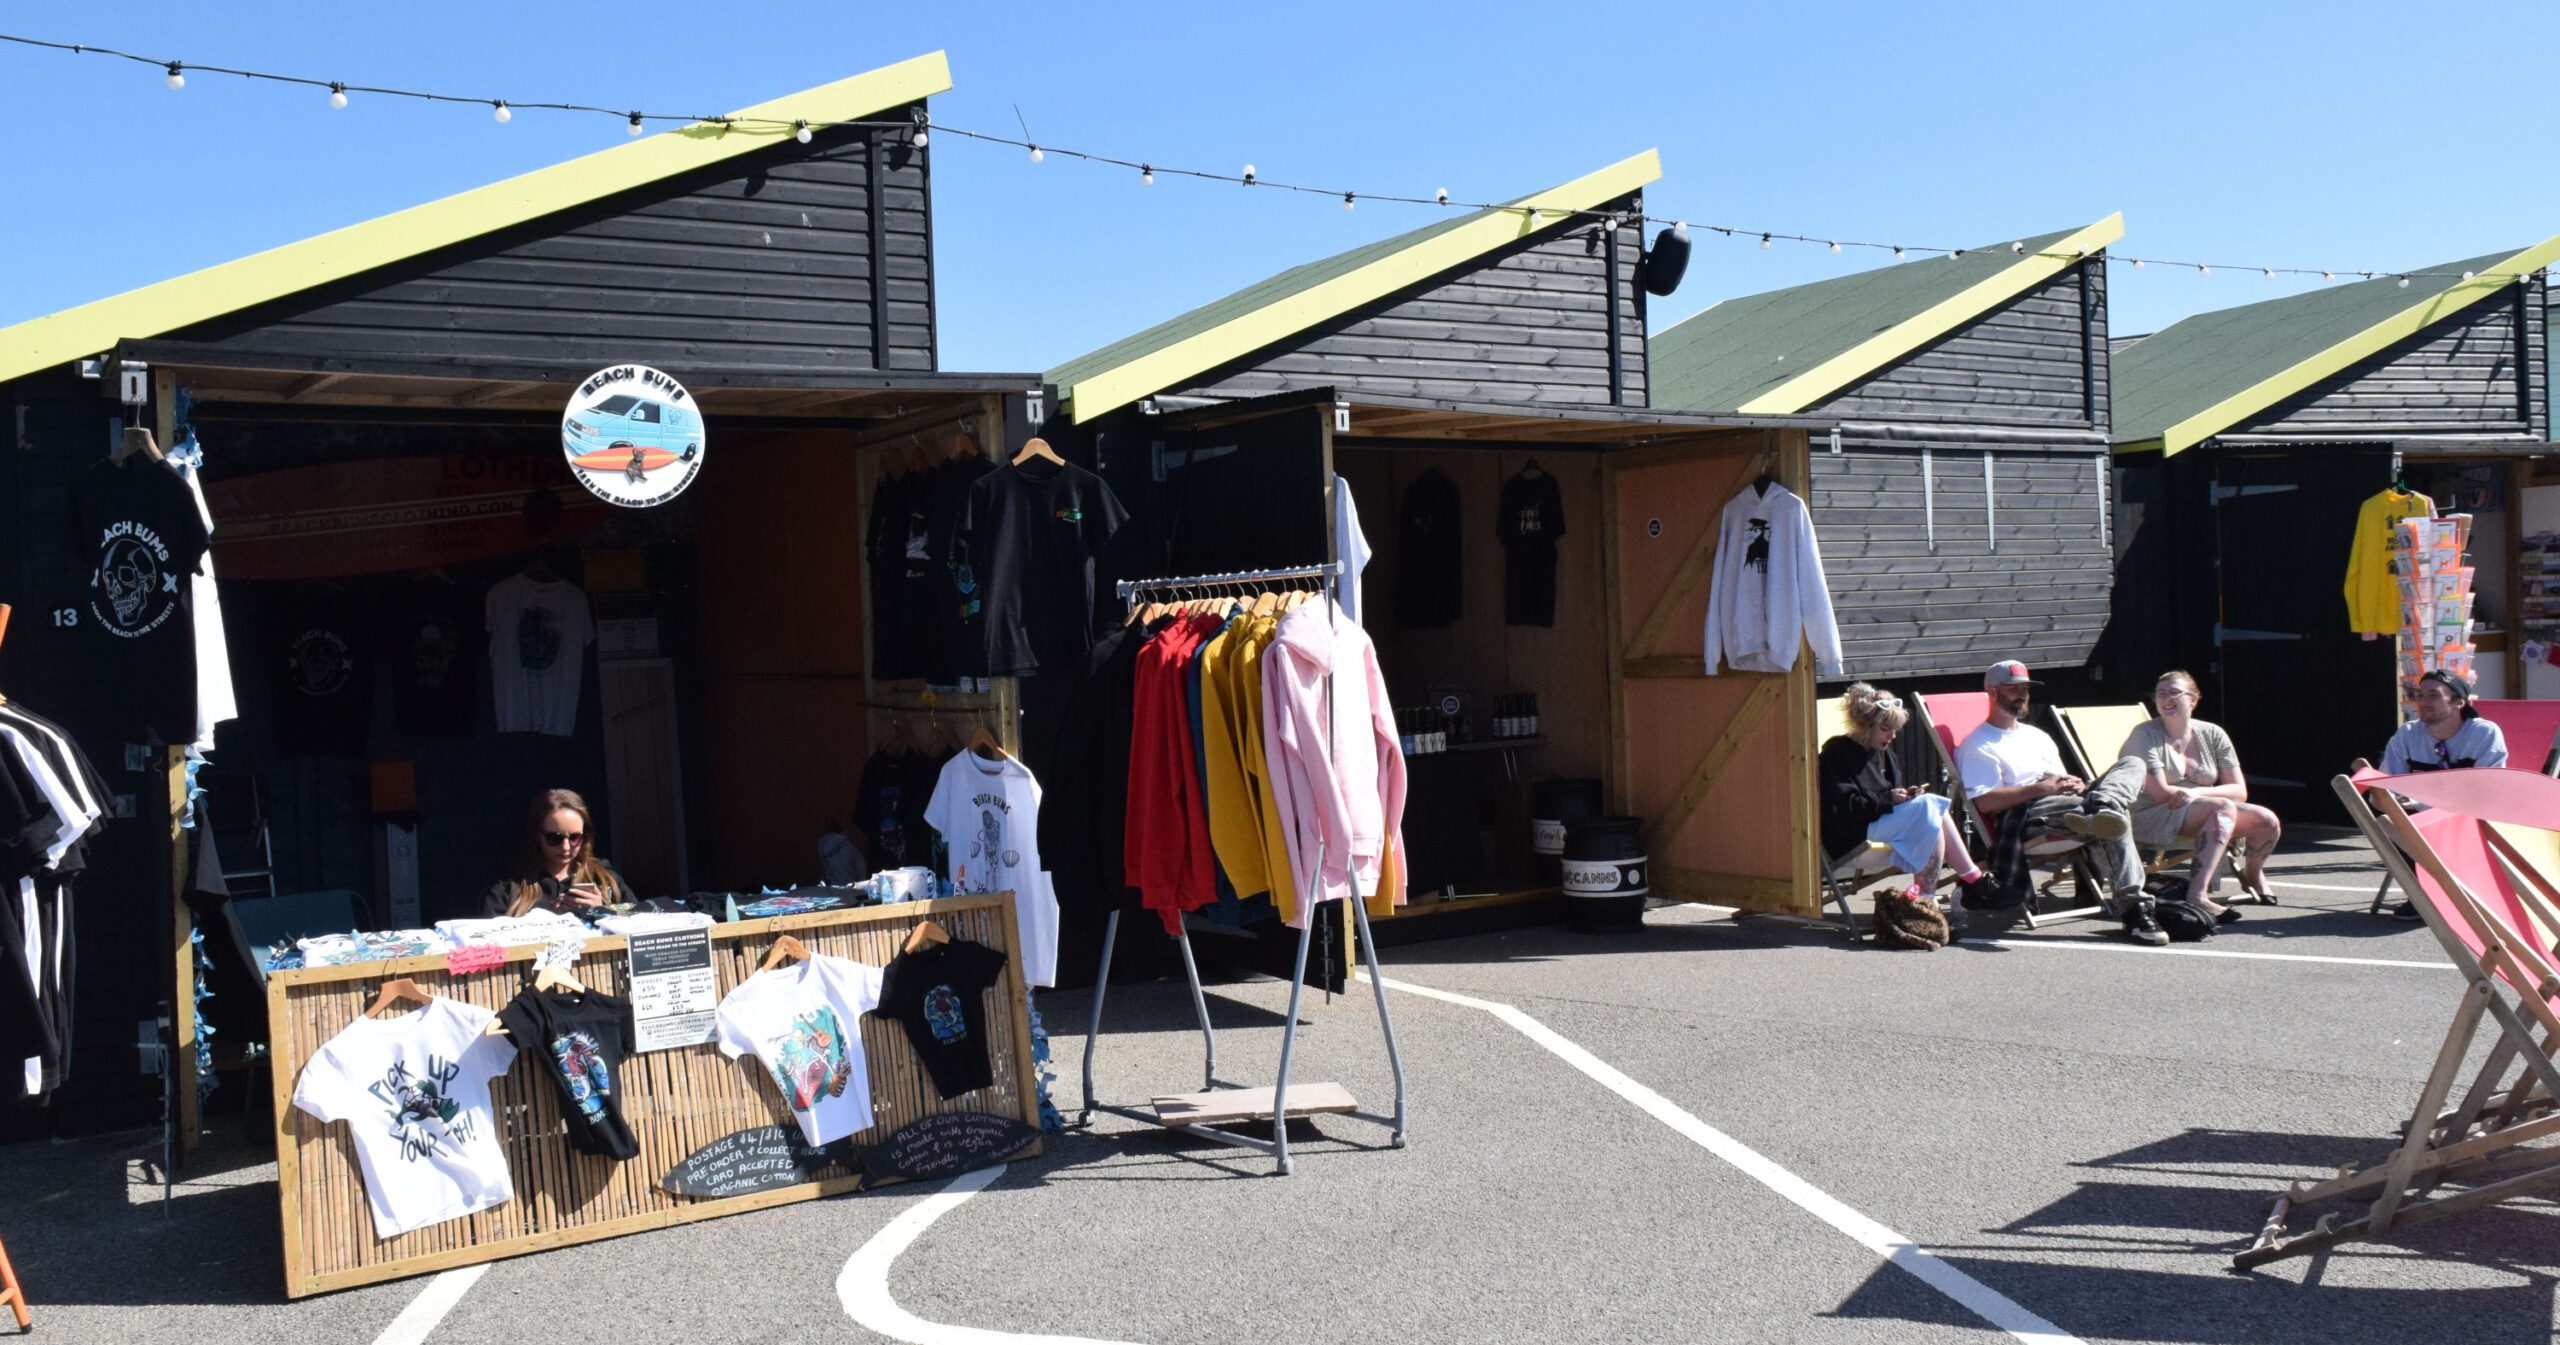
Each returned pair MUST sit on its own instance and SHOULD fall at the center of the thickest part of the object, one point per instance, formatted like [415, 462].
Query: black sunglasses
[565, 837]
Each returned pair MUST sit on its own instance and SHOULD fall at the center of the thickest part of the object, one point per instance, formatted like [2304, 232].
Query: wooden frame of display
[676, 1100]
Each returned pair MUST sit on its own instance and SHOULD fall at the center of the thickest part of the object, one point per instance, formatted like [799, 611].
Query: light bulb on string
[2404, 282]
[1536, 217]
[1037, 156]
[2017, 247]
[337, 95]
[1956, 256]
[2137, 263]
[1146, 175]
[1346, 202]
[2271, 273]
[635, 124]
[1764, 242]
[2328, 275]
[2466, 275]
[801, 133]
[1897, 252]
[1835, 248]
[502, 113]
[1442, 196]
[920, 139]
[2203, 270]
[177, 76]
[1680, 230]
[1248, 175]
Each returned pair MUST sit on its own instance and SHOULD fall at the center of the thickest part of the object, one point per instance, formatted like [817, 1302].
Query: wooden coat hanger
[394, 990]
[1037, 447]
[137, 440]
[784, 946]
[558, 978]
[984, 744]
[925, 934]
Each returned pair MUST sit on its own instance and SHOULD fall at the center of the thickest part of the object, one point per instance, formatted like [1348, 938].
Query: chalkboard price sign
[944, 1145]
[767, 1158]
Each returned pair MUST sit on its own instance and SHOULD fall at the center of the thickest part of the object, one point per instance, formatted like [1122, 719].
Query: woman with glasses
[2193, 792]
[556, 867]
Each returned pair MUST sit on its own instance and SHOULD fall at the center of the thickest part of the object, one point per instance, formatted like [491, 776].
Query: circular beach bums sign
[633, 436]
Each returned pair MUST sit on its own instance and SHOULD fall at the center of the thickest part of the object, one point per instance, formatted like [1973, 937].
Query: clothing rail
[1278, 1145]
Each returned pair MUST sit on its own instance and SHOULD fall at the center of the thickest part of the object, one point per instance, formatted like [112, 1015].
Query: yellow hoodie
[2373, 596]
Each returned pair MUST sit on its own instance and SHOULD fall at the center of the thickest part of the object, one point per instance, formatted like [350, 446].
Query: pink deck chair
[1950, 715]
[2529, 727]
[2482, 899]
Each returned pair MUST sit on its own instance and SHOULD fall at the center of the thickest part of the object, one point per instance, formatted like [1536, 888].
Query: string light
[1346, 201]
[174, 73]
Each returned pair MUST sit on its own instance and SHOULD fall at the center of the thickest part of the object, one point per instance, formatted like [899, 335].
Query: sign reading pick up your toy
[633, 436]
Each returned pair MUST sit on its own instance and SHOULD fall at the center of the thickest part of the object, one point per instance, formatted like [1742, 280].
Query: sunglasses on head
[565, 837]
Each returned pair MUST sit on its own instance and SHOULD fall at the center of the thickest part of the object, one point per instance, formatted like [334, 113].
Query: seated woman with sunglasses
[554, 868]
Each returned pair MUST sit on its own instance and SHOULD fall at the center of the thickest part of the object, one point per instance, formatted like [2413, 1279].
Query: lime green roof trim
[1166, 355]
[2489, 275]
[74, 333]
[1865, 359]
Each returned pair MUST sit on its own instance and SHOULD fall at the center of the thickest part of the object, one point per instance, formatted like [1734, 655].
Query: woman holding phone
[1864, 799]
[556, 867]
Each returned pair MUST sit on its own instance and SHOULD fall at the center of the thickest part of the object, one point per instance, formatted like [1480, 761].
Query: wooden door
[1718, 768]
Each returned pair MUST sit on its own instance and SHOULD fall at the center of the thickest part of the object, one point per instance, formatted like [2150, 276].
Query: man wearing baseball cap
[2447, 735]
[2013, 773]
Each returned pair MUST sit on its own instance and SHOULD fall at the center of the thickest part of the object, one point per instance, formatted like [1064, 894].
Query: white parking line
[2365, 891]
[427, 1310]
[863, 1285]
[2088, 946]
[1979, 1298]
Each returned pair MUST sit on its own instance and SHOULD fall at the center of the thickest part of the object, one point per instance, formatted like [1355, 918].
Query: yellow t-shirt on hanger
[2373, 598]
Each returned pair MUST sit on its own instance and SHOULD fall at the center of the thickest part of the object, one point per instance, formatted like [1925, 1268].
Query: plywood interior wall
[779, 547]
[1566, 665]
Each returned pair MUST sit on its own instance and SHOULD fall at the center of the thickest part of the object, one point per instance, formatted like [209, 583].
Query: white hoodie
[1768, 593]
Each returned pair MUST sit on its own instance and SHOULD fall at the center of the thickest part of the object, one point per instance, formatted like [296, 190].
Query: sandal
[2229, 915]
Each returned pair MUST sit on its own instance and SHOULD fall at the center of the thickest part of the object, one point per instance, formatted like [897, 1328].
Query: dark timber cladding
[792, 259]
[1963, 517]
[1527, 324]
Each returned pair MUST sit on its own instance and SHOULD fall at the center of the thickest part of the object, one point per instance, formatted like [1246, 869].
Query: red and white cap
[2008, 673]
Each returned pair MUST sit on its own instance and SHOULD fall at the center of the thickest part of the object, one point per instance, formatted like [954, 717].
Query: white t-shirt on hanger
[804, 1021]
[1349, 544]
[414, 1092]
[539, 631]
[989, 815]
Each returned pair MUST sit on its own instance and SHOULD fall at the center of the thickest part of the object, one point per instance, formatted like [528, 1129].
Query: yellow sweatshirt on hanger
[1235, 823]
[2373, 595]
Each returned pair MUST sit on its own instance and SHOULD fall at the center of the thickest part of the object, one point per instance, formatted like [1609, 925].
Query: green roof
[2192, 367]
[1171, 353]
[1743, 354]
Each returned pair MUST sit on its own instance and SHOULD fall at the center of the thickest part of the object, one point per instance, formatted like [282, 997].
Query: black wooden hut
[382, 405]
[2249, 437]
[1962, 497]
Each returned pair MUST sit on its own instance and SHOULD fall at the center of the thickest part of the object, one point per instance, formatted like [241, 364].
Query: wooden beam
[497, 392]
[304, 387]
[917, 422]
[1711, 767]
[182, 994]
[1687, 448]
[1616, 767]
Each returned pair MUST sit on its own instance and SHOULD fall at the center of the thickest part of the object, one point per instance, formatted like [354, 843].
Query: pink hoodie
[1350, 799]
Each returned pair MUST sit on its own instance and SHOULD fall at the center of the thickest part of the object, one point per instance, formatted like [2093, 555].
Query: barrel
[1554, 806]
[1605, 875]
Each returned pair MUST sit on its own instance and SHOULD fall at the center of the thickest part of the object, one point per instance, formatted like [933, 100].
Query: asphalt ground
[2080, 1129]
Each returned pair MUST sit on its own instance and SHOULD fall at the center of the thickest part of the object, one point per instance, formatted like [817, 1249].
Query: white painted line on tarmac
[427, 1310]
[2085, 946]
[2365, 891]
[1979, 1298]
[863, 1285]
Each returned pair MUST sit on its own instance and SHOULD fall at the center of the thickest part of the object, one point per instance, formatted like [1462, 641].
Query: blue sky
[2345, 134]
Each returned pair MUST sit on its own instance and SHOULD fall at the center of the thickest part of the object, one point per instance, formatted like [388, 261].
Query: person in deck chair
[2447, 735]
[2013, 773]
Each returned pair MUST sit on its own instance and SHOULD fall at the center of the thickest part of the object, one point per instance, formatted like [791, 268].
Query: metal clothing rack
[1278, 1145]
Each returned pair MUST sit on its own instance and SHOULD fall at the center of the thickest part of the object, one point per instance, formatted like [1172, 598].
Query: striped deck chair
[2488, 906]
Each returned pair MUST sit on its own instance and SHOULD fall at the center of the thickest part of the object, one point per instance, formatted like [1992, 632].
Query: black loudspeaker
[1666, 262]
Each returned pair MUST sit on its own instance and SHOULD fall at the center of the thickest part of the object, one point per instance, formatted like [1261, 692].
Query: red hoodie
[1167, 841]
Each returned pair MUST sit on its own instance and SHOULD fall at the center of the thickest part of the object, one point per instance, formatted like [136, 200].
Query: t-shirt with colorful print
[938, 994]
[582, 1038]
[804, 1021]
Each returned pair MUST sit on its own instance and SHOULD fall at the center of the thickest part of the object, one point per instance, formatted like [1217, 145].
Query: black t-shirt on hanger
[581, 1040]
[136, 527]
[321, 672]
[430, 649]
[1034, 529]
[1530, 522]
[1430, 554]
[884, 544]
[938, 994]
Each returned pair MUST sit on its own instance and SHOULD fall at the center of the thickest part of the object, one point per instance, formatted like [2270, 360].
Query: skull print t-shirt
[938, 994]
[580, 1038]
[539, 630]
[414, 1092]
[989, 815]
[139, 535]
[804, 1021]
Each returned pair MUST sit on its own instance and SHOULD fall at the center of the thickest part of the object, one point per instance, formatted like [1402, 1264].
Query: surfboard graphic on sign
[633, 436]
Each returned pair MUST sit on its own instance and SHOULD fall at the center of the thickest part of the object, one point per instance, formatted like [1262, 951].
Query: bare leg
[2262, 830]
[1951, 845]
[2211, 837]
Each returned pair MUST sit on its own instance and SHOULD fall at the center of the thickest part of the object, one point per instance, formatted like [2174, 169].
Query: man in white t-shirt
[2013, 773]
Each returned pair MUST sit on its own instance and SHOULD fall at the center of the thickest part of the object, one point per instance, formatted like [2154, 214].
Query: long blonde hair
[1868, 709]
[531, 865]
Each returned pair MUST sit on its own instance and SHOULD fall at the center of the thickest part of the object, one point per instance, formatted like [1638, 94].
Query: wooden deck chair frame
[2084, 762]
[2373, 836]
[2481, 1142]
[2058, 859]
